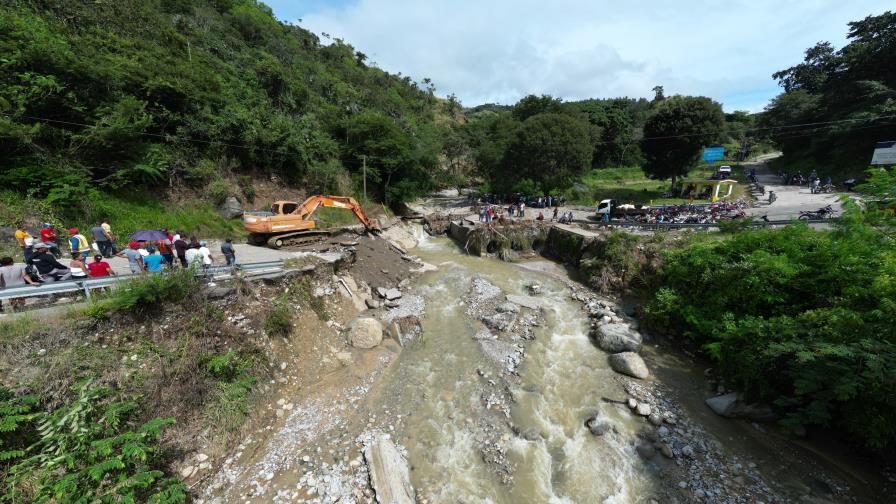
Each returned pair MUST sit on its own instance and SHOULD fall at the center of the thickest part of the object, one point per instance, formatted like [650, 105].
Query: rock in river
[615, 338]
[629, 363]
[366, 332]
[389, 473]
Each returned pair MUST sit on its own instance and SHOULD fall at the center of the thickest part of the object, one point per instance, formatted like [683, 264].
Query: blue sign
[713, 154]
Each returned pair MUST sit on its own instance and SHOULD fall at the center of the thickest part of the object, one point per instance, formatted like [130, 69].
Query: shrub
[803, 319]
[85, 451]
[146, 293]
[248, 188]
[279, 321]
[218, 190]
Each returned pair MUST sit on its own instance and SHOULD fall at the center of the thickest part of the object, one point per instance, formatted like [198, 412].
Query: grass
[630, 185]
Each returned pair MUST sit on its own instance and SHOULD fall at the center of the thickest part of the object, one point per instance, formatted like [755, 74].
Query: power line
[165, 137]
[815, 127]
[815, 124]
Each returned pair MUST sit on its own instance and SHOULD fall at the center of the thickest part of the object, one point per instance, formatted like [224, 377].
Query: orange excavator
[289, 223]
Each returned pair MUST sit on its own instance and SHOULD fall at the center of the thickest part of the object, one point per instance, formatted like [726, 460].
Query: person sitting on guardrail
[47, 265]
[77, 266]
[100, 268]
[135, 259]
[154, 262]
[13, 275]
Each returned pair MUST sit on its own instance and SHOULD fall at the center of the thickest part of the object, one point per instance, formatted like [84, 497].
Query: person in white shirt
[206, 254]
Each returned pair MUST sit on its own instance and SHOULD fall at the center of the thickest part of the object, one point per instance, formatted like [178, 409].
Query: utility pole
[364, 171]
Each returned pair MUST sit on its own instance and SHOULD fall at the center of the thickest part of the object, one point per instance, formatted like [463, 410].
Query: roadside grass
[630, 185]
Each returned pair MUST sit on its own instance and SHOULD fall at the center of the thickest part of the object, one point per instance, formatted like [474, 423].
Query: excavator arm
[310, 205]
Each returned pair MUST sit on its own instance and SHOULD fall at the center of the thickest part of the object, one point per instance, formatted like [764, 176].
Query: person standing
[48, 237]
[180, 247]
[228, 251]
[165, 249]
[78, 243]
[102, 239]
[522, 210]
[108, 229]
[25, 240]
[554, 217]
[154, 262]
[205, 254]
[135, 259]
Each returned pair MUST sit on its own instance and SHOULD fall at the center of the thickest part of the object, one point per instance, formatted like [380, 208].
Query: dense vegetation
[152, 95]
[853, 89]
[805, 320]
[542, 144]
[95, 407]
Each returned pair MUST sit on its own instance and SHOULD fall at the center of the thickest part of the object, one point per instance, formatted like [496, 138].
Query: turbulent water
[563, 379]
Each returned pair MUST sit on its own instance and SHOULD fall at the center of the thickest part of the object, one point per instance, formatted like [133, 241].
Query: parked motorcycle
[822, 213]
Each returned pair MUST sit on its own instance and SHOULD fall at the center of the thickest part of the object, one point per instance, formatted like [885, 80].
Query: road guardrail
[88, 284]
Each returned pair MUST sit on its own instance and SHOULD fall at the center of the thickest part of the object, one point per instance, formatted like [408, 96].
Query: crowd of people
[43, 258]
[518, 210]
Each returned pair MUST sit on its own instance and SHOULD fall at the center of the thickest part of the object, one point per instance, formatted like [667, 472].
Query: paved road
[791, 199]
[244, 254]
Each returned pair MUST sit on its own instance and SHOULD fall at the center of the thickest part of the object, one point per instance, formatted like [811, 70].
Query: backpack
[33, 273]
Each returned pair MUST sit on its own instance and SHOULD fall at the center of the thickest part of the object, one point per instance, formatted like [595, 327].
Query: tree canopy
[844, 98]
[549, 149]
[677, 131]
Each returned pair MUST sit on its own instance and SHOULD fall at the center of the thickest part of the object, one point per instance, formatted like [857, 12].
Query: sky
[497, 51]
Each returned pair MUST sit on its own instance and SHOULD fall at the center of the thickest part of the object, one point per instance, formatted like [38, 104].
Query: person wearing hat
[78, 243]
[47, 265]
[135, 258]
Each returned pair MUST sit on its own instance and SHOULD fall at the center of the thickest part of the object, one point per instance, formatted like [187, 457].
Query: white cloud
[501, 50]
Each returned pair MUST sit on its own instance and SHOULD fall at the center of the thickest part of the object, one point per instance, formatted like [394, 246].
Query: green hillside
[106, 99]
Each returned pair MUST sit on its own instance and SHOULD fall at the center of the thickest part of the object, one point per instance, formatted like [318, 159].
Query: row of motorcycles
[692, 214]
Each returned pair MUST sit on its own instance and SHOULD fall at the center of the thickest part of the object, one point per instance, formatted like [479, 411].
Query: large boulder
[615, 338]
[629, 363]
[731, 405]
[230, 208]
[366, 332]
[389, 473]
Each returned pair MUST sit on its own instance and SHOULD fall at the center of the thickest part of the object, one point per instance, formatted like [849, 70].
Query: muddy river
[561, 383]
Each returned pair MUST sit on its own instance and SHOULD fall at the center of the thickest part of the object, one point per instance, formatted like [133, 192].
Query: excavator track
[298, 239]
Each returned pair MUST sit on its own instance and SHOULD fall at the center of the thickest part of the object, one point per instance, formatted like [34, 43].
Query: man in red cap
[78, 243]
[135, 260]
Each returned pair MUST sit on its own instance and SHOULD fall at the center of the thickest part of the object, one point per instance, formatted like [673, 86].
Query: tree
[532, 105]
[550, 149]
[676, 132]
[659, 94]
[387, 148]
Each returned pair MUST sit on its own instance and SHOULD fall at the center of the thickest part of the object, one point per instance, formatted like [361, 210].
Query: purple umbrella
[149, 235]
